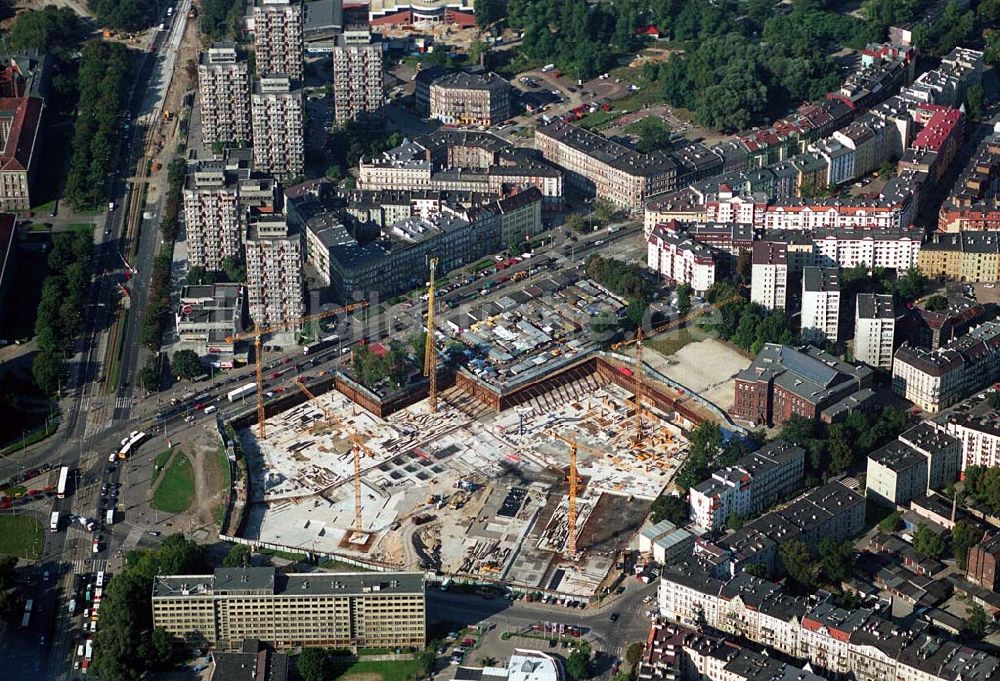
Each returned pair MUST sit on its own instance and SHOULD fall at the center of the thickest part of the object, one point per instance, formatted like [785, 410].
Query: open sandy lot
[707, 367]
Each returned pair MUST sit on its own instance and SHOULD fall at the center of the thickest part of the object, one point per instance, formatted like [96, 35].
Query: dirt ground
[706, 367]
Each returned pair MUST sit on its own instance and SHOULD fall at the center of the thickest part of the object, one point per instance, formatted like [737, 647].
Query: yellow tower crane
[430, 351]
[573, 483]
[259, 332]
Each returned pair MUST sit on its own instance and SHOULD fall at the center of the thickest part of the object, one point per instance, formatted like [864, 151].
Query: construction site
[480, 486]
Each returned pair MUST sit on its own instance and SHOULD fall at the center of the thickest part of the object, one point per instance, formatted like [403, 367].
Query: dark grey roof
[875, 306]
[268, 580]
[818, 279]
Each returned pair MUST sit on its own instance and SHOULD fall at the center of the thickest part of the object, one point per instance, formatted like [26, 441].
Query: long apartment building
[977, 427]
[859, 642]
[769, 274]
[936, 379]
[333, 610]
[606, 169]
[224, 92]
[461, 161]
[820, 304]
[218, 196]
[469, 99]
[973, 204]
[679, 258]
[278, 37]
[358, 85]
[278, 134]
[875, 330]
[971, 256]
[782, 381]
[751, 485]
[23, 87]
[275, 282]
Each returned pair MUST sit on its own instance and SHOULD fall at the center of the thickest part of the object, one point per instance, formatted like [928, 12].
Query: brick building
[469, 99]
[982, 563]
[783, 380]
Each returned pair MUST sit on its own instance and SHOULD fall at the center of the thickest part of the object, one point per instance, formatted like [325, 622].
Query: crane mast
[639, 388]
[430, 352]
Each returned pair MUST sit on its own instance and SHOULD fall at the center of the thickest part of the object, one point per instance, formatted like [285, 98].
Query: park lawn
[649, 123]
[21, 536]
[175, 492]
[361, 670]
[160, 461]
[670, 343]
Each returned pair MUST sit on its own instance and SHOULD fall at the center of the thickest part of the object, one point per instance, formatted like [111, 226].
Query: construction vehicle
[430, 351]
[257, 333]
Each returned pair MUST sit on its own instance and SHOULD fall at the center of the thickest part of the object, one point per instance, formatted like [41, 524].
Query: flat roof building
[874, 330]
[820, 304]
[365, 610]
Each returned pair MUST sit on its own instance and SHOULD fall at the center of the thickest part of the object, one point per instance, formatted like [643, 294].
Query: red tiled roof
[27, 115]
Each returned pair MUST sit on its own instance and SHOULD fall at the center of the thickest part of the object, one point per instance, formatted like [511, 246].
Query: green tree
[993, 399]
[578, 662]
[976, 620]
[8, 572]
[147, 379]
[235, 269]
[186, 364]
[735, 522]
[575, 222]
[48, 368]
[669, 507]
[52, 30]
[835, 559]
[313, 664]
[161, 647]
[479, 52]
[489, 12]
[756, 570]
[891, 522]
[936, 303]
[975, 103]
[684, 299]
[238, 557]
[887, 170]
[964, 536]
[798, 563]
[928, 543]
[634, 653]
[128, 15]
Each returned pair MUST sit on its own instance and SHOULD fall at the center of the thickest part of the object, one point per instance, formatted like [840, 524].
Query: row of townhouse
[861, 642]
[463, 161]
[920, 125]
[936, 379]
[972, 204]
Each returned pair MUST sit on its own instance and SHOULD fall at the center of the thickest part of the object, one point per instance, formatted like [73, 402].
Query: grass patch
[34, 437]
[159, 462]
[224, 486]
[337, 566]
[394, 670]
[46, 207]
[598, 119]
[21, 536]
[287, 555]
[176, 490]
[646, 125]
[671, 343]
[40, 227]
[81, 227]
[116, 367]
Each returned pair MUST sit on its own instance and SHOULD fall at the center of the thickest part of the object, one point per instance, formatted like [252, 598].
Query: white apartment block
[275, 280]
[213, 218]
[936, 379]
[278, 141]
[679, 259]
[820, 304]
[278, 37]
[756, 481]
[224, 91]
[874, 330]
[877, 214]
[892, 248]
[979, 436]
[357, 81]
[769, 274]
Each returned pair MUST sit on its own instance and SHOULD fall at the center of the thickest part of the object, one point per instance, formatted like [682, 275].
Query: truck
[54, 522]
[109, 517]
[242, 392]
[548, 67]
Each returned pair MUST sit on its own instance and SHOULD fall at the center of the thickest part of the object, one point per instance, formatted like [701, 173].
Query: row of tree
[126, 645]
[746, 324]
[105, 68]
[126, 15]
[157, 316]
[220, 19]
[60, 312]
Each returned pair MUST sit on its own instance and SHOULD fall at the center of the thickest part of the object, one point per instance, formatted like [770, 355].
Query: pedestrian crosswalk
[123, 402]
[84, 565]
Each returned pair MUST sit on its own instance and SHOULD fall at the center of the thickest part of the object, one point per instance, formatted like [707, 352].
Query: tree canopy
[128, 15]
[52, 30]
[186, 364]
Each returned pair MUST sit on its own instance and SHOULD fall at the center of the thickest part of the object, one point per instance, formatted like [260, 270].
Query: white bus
[54, 522]
[134, 439]
[63, 481]
[100, 579]
[243, 392]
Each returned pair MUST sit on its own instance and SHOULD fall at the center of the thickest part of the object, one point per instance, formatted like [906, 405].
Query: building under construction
[481, 487]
